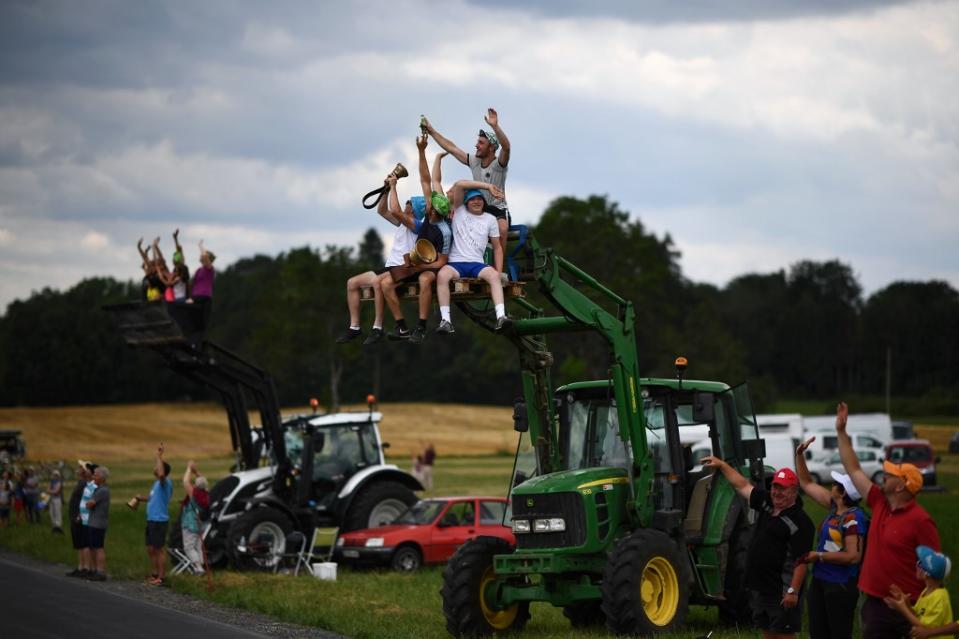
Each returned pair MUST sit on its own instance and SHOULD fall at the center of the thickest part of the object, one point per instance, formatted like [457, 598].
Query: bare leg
[443, 279]
[378, 297]
[388, 288]
[101, 561]
[353, 286]
[503, 230]
[426, 292]
[491, 277]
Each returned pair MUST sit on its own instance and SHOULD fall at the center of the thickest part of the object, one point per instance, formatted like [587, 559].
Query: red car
[429, 532]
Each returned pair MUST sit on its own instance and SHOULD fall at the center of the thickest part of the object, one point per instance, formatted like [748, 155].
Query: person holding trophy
[430, 251]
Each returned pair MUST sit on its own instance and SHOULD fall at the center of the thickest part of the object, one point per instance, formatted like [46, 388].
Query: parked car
[869, 458]
[428, 532]
[917, 452]
[954, 443]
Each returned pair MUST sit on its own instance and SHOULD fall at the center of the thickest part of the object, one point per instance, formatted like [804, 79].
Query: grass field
[374, 604]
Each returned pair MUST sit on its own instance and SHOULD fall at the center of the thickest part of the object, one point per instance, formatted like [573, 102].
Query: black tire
[585, 614]
[407, 559]
[262, 531]
[377, 504]
[735, 611]
[464, 607]
[645, 560]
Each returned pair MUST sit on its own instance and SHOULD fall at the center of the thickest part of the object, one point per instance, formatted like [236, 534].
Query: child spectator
[933, 608]
[196, 502]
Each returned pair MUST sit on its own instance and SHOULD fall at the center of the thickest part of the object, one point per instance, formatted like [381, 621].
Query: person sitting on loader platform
[435, 229]
[403, 240]
[472, 229]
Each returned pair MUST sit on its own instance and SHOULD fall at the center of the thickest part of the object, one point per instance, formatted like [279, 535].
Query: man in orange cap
[899, 526]
[775, 570]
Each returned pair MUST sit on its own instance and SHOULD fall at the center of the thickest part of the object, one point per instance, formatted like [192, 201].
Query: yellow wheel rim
[659, 591]
[498, 619]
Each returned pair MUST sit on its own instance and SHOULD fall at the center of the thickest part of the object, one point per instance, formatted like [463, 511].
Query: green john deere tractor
[614, 521]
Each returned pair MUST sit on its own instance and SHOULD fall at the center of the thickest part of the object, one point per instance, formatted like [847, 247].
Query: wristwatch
[790, 591]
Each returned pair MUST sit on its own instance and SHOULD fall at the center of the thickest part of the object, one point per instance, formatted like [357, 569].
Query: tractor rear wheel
[645, 586]
[378, 504]
[468, 573]
[258, 537]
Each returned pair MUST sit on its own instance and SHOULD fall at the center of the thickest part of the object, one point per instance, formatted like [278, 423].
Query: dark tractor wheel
[465, 580]
[406, 559]
[378, 504]
[257, 538]
[584, 614]
[645, 586]
[735, 611]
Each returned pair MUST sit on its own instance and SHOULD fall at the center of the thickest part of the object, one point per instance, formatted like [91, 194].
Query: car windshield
[420, 513]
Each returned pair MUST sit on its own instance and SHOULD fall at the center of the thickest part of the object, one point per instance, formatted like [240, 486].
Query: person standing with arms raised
[899, 526]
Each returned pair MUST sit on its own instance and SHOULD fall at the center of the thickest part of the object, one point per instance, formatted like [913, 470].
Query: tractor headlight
[554, 524]
[520, 526]
[374, 542]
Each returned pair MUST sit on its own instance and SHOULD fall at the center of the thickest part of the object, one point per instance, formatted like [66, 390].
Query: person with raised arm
[485, 165]
[899, 525]
[158, 518]
[195, 503]
[833, 593]
[775, 570]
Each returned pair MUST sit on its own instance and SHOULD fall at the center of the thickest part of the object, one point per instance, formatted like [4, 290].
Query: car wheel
[464, 592]
[406, 559]
[645, 587]
[378, 504]
[258, 538]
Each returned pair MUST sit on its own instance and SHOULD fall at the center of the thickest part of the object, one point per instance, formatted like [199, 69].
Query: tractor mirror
[520, 419]
[754, 448]
[385, 445]
[703, 407]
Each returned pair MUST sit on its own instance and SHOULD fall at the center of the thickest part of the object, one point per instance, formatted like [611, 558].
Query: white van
[867, 430]
[781, 424]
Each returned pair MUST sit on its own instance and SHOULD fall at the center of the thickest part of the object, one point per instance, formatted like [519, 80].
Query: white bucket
[325, 570]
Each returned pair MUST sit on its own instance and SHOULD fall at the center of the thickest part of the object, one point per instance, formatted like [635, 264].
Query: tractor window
[594, 436]
[294, 446]
[341, 453]
[659, 449]
[369, 452]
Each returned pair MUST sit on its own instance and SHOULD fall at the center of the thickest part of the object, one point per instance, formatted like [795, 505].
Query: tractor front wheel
[645, 586]
[465, 580]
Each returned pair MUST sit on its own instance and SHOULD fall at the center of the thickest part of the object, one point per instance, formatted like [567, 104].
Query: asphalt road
[35, 603]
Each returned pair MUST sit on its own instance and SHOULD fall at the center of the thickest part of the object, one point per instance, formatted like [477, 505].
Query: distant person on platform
[403, 240]
[99, 507]
[178, 280]
[486, 166]
[201, 289]
[197, 501]
[775, 567]
[79, 515]
[158, 518]
[899, 526]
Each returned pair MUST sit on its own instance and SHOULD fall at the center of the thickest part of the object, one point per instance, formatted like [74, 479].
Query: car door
[453, 529]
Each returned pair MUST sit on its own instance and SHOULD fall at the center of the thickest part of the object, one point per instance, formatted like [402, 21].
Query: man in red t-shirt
[899, 525]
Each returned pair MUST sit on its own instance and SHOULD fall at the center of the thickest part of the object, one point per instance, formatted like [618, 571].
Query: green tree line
[805, 332]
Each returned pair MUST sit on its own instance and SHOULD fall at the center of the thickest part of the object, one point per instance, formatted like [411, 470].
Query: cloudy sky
[756, 133]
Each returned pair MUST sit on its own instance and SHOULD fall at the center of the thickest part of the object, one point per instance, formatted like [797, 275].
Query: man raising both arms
[485, 166]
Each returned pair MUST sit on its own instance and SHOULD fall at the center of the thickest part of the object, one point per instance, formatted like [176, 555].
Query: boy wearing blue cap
[933, 608]
[432, 227]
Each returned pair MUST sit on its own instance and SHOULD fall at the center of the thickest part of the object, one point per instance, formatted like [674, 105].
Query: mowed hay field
[200, 430]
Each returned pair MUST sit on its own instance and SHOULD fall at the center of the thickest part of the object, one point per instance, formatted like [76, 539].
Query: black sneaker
[445, 328]
[398, 334]
[96, 576]
[76, 572]
[502, 324]
[349, 335]
[418, 335]
[375, 336]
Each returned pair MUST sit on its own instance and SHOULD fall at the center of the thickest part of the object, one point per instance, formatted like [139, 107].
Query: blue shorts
[469, 269]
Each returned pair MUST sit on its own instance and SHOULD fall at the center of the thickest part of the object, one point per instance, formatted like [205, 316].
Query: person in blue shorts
[473, 229]
[158, 518]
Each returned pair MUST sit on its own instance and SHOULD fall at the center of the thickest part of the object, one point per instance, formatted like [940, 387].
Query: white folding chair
[181, 563]
[295, 549]
[323, 538]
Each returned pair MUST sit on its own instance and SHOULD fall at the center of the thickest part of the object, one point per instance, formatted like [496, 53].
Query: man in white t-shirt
[485, 166]
[403, 240]
[473, 228]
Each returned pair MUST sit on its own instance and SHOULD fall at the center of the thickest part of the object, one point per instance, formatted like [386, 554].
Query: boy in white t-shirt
[472, 230]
